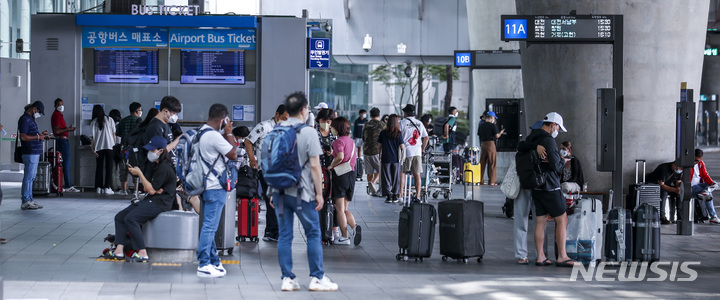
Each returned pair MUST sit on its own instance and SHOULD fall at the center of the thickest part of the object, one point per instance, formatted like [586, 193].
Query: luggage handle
[637, 170]
[472, 176]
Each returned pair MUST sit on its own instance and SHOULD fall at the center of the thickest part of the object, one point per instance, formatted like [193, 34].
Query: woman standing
[324, 120]
[391, 141]
[103, 140]
[488, 133]
[343, 181]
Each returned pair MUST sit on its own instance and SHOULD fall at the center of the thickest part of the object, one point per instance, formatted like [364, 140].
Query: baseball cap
[321, 105]
[556, 118]
[39, 105]
[409, 109]
[492, 114]
[156, 142]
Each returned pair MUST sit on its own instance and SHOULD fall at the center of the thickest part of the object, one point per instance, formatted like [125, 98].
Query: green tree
[394, 76]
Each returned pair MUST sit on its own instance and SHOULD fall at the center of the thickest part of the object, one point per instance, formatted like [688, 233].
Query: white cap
[321, 105]
[556, 118]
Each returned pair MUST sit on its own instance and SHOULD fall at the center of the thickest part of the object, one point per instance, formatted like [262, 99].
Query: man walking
[211, 147]
[449, 130]
[309, 190]
[358, 131]
[31, 140]
[60, 130]
[371, 148]
[126, 125]
[253, 146]
[415, 139]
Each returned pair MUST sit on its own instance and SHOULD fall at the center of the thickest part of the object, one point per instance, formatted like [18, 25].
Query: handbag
[247, 183]
[345, 167]
[511, 184]
[18, 149]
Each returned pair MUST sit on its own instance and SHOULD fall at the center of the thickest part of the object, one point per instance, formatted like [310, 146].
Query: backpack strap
[211, 168]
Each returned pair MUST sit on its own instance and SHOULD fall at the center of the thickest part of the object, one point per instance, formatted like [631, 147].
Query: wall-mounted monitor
[126, 65]
[212, 66]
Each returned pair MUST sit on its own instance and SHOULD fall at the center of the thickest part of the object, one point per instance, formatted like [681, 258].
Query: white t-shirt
[104, 139]
[696, 175]
[211, 145]
[257, 137]
[412, 136]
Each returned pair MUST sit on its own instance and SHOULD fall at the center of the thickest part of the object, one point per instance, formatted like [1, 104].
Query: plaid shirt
[127, 124]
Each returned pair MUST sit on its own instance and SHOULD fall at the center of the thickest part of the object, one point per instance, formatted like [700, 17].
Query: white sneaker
[342, 241]
[209, 271]
[109, 191]
[322, 285]
[72, 189]
[289, 285]
[220, 268]
[122, 193]
[715, 220]
[99, 190]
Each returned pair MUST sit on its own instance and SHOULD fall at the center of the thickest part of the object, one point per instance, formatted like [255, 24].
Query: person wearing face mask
[126, 125]
[31, 144]
[669, 176]
[358, 129]
[168, 113]
[103, 140]
[548, 198]
[60, 130]
[571, 176]
[241, 133]
[253, 146]
[489, 133]
[159, 183]
[449, 128]
[324, 119]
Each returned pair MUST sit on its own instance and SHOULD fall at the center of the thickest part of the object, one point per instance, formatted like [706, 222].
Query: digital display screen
[212, 67]
[558, 28]
[126, 66]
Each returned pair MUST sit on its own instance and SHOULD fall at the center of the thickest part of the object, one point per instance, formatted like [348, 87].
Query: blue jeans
[63, 146]
[311, 224]
[31, 165]
[707, 205]
[212, 206]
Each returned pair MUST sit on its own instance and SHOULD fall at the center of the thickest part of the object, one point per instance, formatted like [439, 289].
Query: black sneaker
[270, 239]
[389, 199]
[357, 235]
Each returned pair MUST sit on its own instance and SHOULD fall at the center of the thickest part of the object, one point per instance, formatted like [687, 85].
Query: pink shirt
[345, 145]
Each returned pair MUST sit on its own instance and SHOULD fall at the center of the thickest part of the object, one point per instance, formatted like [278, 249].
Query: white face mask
[140, 114]
[555, 133]
[333, 131]
[564, 153]
[325, 126]
[456, 115]
[37, 115]
[61, 108]
[152, 156]
[173, 119]
[362, 116]
[678, 171]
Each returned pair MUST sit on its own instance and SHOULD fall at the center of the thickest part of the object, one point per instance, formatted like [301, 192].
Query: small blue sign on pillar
[319, 53]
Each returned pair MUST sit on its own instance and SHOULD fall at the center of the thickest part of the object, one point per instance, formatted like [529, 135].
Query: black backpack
[439, 125]
[131, 145]
[529, 171]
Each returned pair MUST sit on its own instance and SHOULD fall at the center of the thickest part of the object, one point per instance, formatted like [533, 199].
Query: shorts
[549, 202]
[358, 142]
[122, 172]
[413, 164]
[343, 186]
[372, 164]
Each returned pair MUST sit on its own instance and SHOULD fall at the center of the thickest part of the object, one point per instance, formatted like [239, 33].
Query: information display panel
[558, 28]
[126, 65]
[212, 66]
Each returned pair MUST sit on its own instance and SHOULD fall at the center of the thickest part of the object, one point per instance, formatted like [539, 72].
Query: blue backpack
[280, 164]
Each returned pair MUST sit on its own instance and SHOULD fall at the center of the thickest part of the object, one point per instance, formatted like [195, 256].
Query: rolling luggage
[476, 176]
[641, 192]
[619, 235]
[41, 184]
[225, 234]
[647, 233]
[359, 168]
[56, 175]
[585, 232]
[327, 213]
[416, 228]
[462, 229]
[248, 211]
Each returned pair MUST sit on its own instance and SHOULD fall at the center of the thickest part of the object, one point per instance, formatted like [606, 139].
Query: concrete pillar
[24, 27]
[5, 29]
[484, 23]
[663, 46]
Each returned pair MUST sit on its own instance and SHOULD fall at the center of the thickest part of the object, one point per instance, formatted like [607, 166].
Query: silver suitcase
[41, 184]
[173, 230]
[227, 231]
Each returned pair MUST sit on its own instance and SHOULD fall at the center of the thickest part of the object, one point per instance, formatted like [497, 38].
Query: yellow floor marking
[230, 262]
[166, 264]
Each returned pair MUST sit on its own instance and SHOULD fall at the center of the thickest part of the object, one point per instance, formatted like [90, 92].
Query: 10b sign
[462, 59]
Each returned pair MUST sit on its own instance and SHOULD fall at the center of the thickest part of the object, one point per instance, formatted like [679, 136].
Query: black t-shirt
[487, 131]
[154, 128]
[162, 177]
[665, 173]
[390, 147]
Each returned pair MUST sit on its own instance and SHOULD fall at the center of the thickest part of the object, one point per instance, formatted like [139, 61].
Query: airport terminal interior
[626, 89]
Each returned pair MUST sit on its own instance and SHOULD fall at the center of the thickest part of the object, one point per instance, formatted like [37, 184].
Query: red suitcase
[56, 175]
[248, 220]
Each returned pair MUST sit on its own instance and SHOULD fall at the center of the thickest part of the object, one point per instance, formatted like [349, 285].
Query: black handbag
[18, 149]
[247, 183]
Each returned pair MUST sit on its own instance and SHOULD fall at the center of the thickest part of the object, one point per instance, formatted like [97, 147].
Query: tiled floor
[51, 254]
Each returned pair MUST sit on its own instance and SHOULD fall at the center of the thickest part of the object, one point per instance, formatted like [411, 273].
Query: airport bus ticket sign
[319, 53]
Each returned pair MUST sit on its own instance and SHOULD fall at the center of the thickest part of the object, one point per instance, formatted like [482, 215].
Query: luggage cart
[439, 175]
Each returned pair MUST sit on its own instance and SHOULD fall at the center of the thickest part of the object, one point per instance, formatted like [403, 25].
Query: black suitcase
[462, 229]
[647, 233]
[641, 192]
[416, 228]
[327, 213]
[359, 167]
[619, 235]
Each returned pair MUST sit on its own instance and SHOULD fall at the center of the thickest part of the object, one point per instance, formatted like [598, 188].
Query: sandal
[3, 241]
[567, 264]
[523, 261]
[545, 262]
